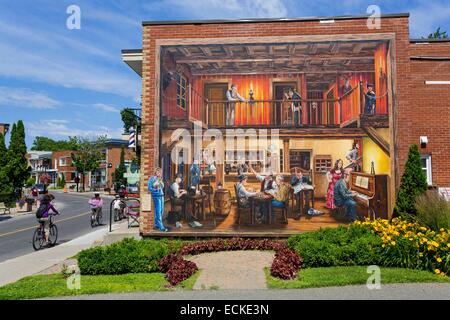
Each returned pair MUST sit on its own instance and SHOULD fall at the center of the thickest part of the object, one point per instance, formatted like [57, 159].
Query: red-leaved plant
[285, 265]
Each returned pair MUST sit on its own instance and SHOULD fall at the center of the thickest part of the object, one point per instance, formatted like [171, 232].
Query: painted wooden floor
[227, 226]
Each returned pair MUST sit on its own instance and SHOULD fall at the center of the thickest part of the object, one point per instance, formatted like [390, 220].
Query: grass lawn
[341, 276]
[54, 285]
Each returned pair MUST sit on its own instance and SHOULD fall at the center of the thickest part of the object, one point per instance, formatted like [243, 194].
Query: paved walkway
[46, 259]
[425, 291]
[232, 269]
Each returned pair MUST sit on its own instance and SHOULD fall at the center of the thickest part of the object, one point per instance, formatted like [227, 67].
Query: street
[16, 232]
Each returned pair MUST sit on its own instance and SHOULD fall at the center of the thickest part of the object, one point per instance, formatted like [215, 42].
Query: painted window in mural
[181, 91]
[276, 136]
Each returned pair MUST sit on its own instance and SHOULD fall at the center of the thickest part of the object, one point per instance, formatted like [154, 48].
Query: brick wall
[113, 157]
[151, 84]
[430, 108]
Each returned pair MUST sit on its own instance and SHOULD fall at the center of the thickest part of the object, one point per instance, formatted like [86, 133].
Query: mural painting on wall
[268, 133]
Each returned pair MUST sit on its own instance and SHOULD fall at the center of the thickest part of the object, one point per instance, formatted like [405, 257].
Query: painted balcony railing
[279, 113]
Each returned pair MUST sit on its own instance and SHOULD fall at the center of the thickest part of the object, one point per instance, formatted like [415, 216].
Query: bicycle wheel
[38, 238]
[93, 220]
[53, 235]
[116, 215]
[99, 219]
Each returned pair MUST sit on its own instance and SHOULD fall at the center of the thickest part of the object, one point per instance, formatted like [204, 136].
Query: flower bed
[395, 243]
[412, 245]
[286, 264]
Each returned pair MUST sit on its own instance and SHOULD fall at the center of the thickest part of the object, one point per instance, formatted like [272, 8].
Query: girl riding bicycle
[45, 207]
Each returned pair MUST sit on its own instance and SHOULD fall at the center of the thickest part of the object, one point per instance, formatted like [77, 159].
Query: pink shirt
[96, 202]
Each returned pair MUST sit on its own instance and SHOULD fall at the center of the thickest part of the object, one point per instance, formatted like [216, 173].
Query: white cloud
[426, 18]
[61, 129]
[229, 9]
[106, 107]
[22, 97]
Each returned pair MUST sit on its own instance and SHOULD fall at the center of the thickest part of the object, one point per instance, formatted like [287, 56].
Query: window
[426, 167]
[63, 162]
[181, 91]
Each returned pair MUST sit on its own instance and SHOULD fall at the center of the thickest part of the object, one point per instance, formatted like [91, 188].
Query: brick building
[4, 127]
[62, 164]
[113, 151]
[187, 67]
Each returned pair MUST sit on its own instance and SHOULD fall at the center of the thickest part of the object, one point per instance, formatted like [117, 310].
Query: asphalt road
[16, 232]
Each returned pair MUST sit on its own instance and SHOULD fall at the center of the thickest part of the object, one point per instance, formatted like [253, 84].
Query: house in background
[62, 162]
[4, 127]
[113, 151]
[41, 164]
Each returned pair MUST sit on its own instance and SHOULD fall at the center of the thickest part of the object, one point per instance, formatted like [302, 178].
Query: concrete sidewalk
[411, 291]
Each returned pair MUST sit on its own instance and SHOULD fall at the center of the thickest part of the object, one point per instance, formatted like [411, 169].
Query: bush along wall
[396, 243]
[126, 256]
[134, 256]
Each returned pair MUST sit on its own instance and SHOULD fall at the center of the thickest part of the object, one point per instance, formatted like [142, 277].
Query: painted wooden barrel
[222, 201]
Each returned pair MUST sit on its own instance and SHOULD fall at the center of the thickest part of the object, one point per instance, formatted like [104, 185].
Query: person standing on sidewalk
[156, 188]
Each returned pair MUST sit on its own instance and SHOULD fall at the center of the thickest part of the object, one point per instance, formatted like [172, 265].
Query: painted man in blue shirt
[343, 197]
[156, 188]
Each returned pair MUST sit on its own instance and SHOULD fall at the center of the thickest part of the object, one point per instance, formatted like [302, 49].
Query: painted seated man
[267, 182]
[243, 194]
[343, 197]
[179, 198]
[280, 197]
[299, 182]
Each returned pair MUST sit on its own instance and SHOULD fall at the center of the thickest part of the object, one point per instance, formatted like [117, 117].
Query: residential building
[4, 127]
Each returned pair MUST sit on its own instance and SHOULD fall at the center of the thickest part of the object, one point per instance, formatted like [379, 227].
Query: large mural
[265, 136]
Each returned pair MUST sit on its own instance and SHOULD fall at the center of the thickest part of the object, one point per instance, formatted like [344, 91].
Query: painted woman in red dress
[333, 176]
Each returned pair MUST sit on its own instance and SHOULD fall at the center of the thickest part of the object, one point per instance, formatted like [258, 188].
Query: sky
[64, 82]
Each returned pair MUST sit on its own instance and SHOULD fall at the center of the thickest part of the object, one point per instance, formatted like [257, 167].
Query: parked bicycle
[120, 208]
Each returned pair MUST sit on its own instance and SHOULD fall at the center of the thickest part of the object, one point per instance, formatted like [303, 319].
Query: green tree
[5, 183]
[47, 144]
[118, 175]
[63, 180]
[17, 165]
[129, 120]
[88, 156]
[413, 183]
[438, 34]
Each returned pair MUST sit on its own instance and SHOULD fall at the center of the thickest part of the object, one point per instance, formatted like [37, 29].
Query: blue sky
[65, 82]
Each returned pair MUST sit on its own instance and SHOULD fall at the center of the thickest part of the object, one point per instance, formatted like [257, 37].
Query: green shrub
[30, 182]
[342, 246]
[433, 210]
[127, 256]
[413, 183]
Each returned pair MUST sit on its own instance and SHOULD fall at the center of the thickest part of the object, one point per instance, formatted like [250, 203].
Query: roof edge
[260, 20]
[429, 40]
[130, 51]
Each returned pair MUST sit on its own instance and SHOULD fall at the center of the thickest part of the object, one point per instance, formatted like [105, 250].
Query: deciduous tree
[88, 156]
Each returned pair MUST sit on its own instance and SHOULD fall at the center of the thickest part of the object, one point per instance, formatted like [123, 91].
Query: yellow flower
[438, 259]
[393, 243]
[437, 271]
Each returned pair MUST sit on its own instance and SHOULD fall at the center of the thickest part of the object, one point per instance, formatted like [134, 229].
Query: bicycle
[96, 217]
[39, 234]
